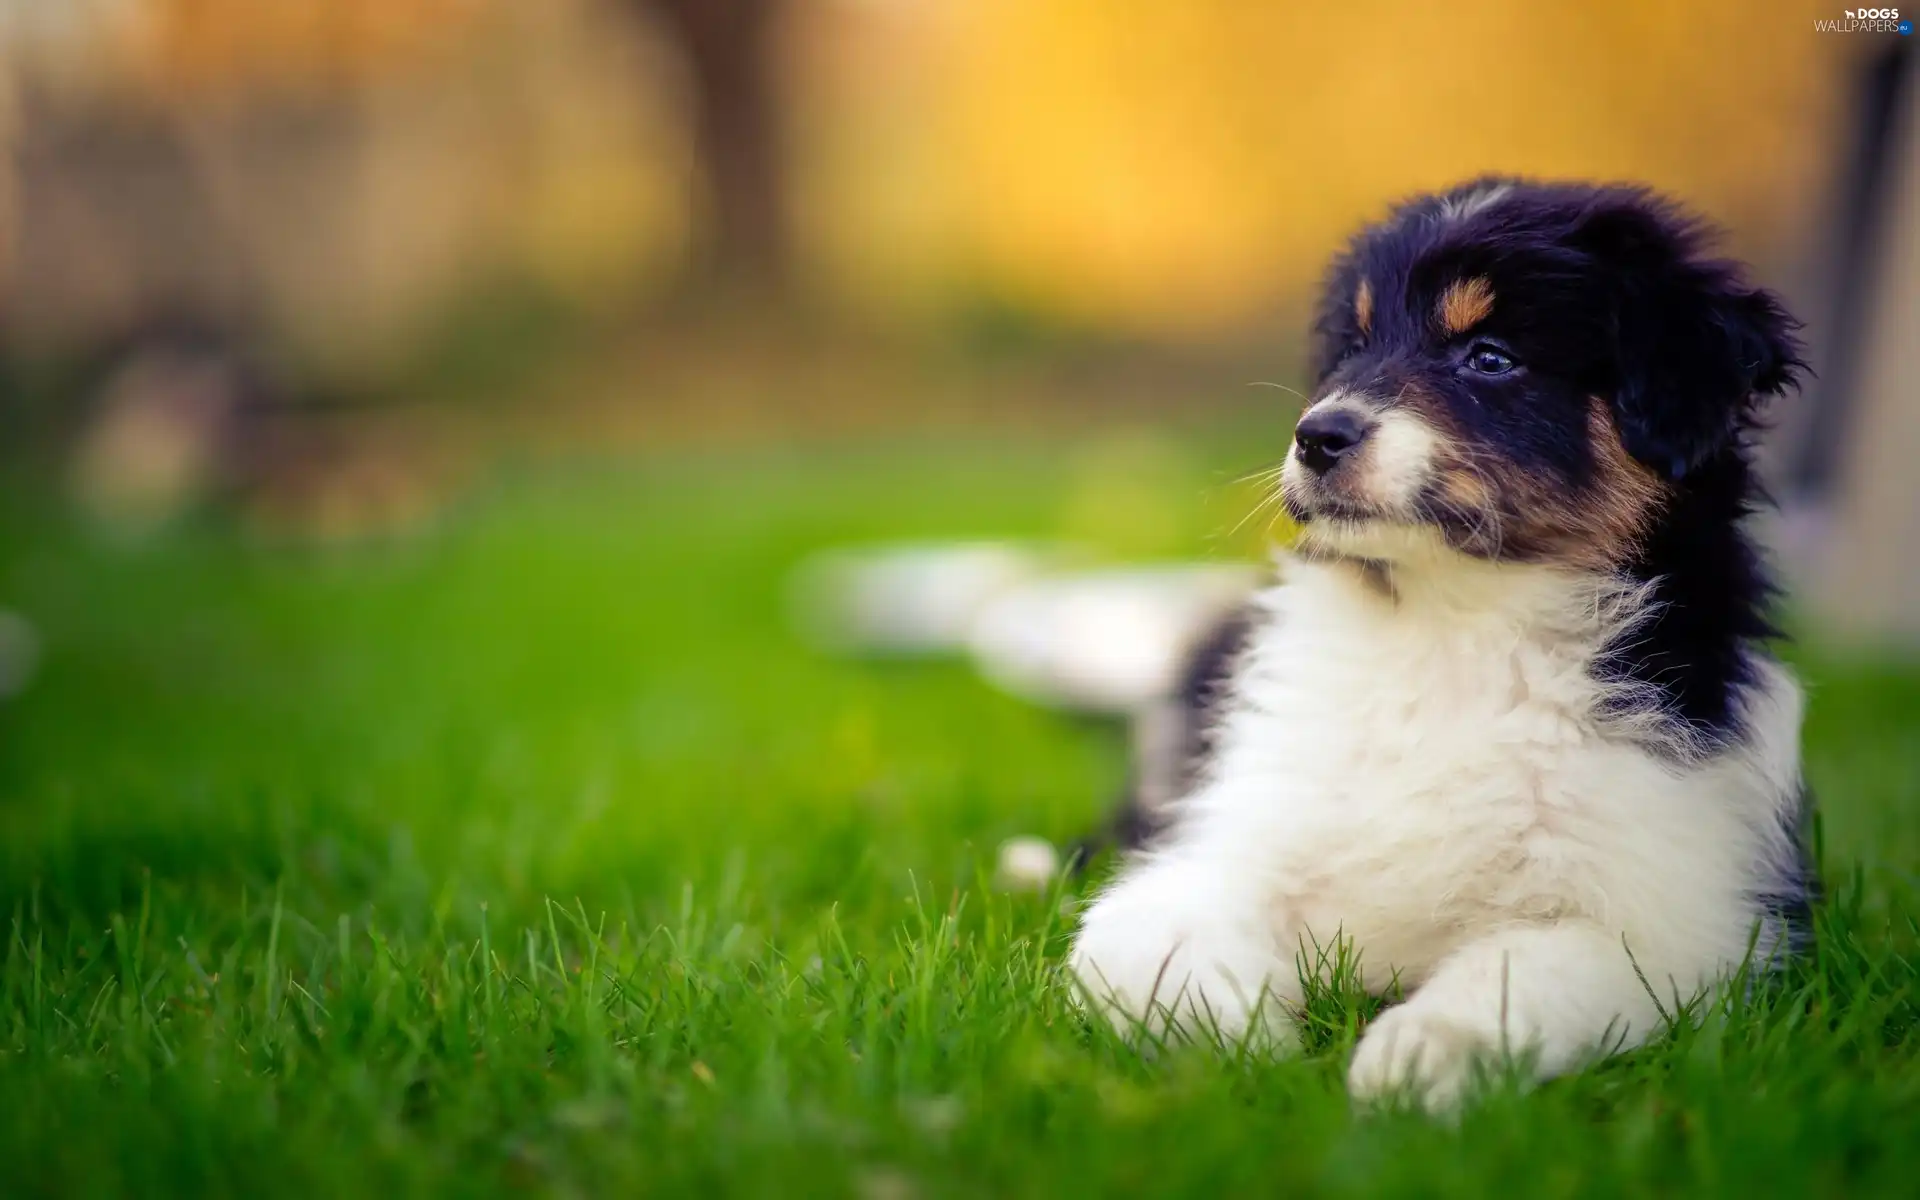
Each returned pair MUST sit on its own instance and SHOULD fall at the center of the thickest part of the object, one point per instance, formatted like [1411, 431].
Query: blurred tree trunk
[728, 49]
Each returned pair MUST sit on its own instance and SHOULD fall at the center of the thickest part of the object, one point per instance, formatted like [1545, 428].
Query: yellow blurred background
[1174, 171]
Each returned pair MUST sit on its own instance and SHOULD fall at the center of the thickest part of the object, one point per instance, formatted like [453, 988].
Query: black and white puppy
[1506, 723]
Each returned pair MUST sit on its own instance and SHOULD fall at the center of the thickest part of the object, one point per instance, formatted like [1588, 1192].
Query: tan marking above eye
[1363, 307]
[1464, 304]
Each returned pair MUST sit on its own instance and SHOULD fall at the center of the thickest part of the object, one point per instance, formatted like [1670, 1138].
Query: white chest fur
[1435, 770]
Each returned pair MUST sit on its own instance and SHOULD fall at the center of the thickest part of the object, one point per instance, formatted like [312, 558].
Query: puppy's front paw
[1176, 968]
[1419, 1052]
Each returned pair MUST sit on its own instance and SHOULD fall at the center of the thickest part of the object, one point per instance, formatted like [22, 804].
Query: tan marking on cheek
[1517, 514]
[1625, 495]
[1363, 307]
[1464, 304]
[1596, 527]
[1466, 490]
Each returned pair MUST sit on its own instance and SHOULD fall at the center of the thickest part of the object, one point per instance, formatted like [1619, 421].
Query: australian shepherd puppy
[1507, 724]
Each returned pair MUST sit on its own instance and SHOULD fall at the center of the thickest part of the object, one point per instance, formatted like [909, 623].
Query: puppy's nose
[1323, 438]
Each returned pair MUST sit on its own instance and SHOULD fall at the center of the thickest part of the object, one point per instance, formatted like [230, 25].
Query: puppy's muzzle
[1323, 438]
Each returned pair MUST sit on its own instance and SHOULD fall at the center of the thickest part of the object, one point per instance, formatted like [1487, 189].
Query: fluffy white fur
[1432, 775]
[1399, 456]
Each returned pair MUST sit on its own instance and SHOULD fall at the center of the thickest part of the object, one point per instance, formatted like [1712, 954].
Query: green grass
[537, 856]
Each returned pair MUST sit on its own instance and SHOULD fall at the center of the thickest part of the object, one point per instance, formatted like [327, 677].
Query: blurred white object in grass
[19, 653]
[1109, 641]
[1026, 864]
[911, 599]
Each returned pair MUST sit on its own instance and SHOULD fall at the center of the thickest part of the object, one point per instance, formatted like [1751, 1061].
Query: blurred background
[445, 227]
[343, 276]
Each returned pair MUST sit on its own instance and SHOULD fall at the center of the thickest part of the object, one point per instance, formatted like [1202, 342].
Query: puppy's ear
[1694, 348]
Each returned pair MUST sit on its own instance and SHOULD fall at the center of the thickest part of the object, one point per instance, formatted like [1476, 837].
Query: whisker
[1267, 472]
[1283, 387]
[1250, 515]
[1274, 498]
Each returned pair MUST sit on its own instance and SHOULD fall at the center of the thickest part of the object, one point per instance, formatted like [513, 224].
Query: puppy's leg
[1552, 995]
[1180, 944]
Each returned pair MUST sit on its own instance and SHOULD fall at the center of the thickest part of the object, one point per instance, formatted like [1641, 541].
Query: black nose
[1324, 437]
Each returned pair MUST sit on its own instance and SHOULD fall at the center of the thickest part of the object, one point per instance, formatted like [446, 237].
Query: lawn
[537, 855]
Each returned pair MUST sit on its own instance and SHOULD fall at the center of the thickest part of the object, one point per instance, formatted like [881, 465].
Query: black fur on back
[1141, 813]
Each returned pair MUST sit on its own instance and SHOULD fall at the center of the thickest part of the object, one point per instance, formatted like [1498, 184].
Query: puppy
[1506, 724]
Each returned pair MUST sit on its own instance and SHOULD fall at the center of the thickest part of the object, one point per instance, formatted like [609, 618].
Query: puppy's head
[1526, 372]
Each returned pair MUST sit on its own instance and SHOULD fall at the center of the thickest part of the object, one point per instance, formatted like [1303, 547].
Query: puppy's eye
[1484, 359]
